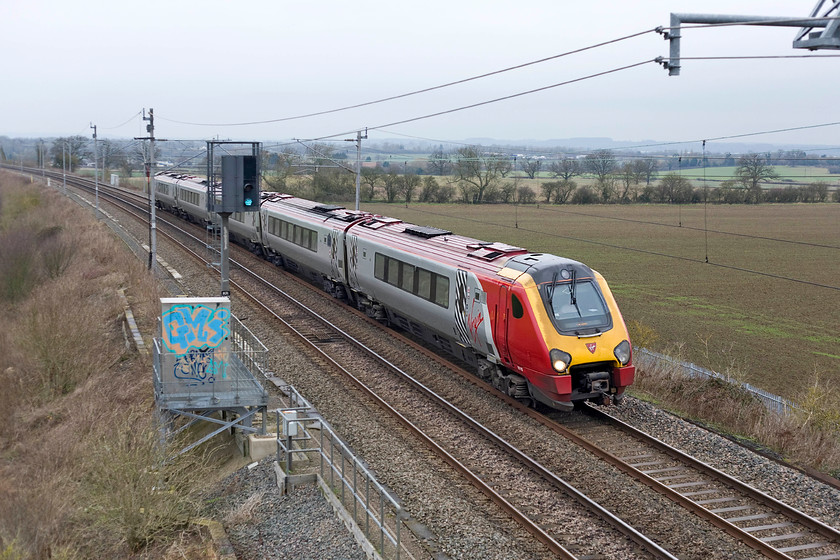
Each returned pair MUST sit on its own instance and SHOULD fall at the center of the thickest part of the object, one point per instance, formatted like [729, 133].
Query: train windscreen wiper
[572, 292]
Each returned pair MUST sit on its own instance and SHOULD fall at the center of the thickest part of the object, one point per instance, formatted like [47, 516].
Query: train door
[351, 260]
[335, 242]
[501, 322]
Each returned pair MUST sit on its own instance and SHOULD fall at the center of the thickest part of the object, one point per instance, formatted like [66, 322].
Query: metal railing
[248, 348]
[648, 358]
[376, 513]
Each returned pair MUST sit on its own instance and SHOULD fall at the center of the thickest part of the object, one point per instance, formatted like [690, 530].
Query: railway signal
[240, 184]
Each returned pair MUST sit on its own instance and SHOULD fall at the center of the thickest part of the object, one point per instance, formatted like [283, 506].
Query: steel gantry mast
[825, 16]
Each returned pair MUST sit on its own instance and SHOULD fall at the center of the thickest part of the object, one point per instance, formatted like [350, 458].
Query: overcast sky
[67, 64]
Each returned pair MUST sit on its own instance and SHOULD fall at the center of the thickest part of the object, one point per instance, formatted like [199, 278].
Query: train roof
[169, 176]
[424, 241]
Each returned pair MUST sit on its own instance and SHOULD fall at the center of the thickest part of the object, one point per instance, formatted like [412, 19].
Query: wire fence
[648, 358]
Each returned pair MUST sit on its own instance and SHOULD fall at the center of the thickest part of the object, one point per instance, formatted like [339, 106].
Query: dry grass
[81, 471]
[246, 511]
[809, 437]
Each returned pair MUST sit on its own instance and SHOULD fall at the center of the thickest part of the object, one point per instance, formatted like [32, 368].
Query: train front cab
[563, 366]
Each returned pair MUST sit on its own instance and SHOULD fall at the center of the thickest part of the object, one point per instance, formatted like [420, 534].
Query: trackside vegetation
[82, 474]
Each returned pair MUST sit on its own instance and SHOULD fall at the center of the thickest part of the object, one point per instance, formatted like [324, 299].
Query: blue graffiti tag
[200, 366]
[186, 327]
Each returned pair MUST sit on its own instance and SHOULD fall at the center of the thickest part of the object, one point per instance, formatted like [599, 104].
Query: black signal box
[240, 184]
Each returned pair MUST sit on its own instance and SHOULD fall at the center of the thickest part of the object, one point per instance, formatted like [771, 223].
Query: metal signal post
[95, 168]
[359, 139]
[150, 176]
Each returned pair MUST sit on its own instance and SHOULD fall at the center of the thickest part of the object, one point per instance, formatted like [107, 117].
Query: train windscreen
[577, 306]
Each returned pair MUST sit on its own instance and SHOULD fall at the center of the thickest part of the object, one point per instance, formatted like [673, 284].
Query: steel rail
[738, 486]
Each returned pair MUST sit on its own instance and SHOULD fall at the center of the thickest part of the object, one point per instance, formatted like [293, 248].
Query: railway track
[486, 459]
[762, 522]
[768, 526]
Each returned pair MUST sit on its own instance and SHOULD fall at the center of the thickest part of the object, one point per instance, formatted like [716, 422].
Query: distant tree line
[469, 174]
[474, 175]
[72, 152]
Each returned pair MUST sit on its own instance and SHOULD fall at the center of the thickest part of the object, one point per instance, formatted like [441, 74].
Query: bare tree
[752, 170]
[645, 169]
[674, 188]
[371, 177]
[629, 177]
[469, 192]
[279, 167]
[601, 164]
[548, 189]
[565, 169]
[430, 189]
[564, 191]
[507, 192]
[531, 167]
[525, 195]
[479, 169]
[69, 151]
[440, 162]
[409, 184]
[392, 183]
[112, 155]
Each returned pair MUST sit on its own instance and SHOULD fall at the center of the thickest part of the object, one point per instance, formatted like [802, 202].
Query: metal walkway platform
[207, 368]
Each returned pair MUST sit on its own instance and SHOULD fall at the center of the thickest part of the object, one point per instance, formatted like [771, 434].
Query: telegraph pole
[150, 175]
[359, 138]
[95, 168]
[64, 165]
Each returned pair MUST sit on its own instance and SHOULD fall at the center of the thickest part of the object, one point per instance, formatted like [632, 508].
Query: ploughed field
[763, 309]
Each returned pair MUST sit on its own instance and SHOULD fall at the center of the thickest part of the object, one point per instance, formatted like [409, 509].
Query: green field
[764, 308]
[804, 175]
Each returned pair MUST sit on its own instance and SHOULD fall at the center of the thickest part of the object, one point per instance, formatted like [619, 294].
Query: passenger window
[393, 272]
[516, 307]
[379, 266]
[407, 278]
[442, 291]
[424, 284]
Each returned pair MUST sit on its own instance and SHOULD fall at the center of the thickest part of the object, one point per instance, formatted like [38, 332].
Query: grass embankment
[81, 472]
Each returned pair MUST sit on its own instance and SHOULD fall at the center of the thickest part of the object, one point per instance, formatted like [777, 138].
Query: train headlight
[622, 352]
[559, 360]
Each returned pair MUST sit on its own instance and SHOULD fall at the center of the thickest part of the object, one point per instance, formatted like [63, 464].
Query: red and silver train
[541, 328]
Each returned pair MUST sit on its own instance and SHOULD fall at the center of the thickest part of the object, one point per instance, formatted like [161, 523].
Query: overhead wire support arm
[829, 39]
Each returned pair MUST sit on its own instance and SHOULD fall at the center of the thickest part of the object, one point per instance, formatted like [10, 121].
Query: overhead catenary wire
[131, 118]
[495, 100]
[424, 90]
